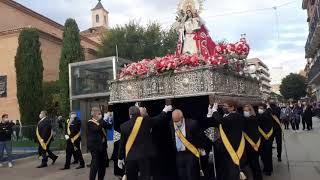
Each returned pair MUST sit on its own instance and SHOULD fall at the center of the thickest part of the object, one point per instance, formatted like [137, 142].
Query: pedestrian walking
[6, 129]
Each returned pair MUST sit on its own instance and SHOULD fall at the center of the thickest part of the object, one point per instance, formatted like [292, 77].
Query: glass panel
[91, 78]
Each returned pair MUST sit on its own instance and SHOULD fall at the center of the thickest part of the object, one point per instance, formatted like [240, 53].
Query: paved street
[303, 152]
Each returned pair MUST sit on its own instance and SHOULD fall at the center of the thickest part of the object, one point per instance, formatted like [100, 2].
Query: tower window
[97, 18]
[105, 19]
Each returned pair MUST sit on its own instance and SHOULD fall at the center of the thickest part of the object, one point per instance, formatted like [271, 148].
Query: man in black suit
[231, 126]
[73, 138]
[187, 142]
[44, 138]
[136, 147]
[97, 144]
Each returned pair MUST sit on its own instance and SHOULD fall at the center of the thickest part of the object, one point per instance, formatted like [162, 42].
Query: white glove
[120, 163]
[212, 109]
[202, 152]
[67, 137]
[167, 108]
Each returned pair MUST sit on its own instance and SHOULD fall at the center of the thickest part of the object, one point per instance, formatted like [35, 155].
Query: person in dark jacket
[277, 129]
[97, 144]
[6, 129]
[266, 131]
[231, 126]
[187, 161]
[44, 137]
[253, 141]
[73, 138]
[137, 158]
[307, 117]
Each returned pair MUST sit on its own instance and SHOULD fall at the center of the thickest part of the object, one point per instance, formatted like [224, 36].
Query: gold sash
[103, 130]
[277, 120]
[254, 145]
[265, 135]
[69, 132]
[235, 156]
[41, 141]
[133, 134]
[186, 143]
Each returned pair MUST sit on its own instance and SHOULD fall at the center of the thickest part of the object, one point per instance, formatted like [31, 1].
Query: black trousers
[278, 138]
[46, 153]
[286, 124]
[98, 164]
[304, 122]
[295, 125]
[309, 123]
[142, 167]
[73, 149]
[187, 165]
[253, 160]
[266, 155]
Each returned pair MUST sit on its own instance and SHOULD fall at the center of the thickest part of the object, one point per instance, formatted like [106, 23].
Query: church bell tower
[100, 16]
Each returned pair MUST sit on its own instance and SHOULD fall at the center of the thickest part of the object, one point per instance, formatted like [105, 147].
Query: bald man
[187, 161]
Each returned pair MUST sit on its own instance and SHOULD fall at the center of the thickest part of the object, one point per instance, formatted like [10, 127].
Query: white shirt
[179, 145]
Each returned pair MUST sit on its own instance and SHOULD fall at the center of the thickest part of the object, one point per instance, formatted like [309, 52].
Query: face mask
[100, 116]
[225, 110]
[246, 114]
[291, 106]
[40, 116]
[260, 111]
[179, 124]
[73, 116]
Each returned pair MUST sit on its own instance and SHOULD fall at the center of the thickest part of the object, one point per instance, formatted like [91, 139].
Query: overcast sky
[261, 23]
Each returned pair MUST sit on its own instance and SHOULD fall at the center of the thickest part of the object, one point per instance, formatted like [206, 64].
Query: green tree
[71, 52]
[29, 73]
[51, 92]
[293, 86]
[136, 42]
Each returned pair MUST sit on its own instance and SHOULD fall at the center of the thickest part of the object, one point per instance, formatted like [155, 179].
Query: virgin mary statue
[193, 35]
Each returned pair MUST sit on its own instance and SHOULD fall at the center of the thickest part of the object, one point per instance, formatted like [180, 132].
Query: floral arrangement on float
[228, 55]
[195, 48]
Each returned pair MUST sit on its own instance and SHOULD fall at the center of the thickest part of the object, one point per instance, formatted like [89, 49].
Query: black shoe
[54, 160]
[88, 165]
[80, 166]
[75, 162]
[267, 173]
[65, 168]
[42, 166]
[279, 159]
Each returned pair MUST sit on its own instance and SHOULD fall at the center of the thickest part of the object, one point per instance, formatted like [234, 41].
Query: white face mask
[179, 124]
[40, 116]
[73, 116]
[260, 111]
[246, 114]
[99, 117]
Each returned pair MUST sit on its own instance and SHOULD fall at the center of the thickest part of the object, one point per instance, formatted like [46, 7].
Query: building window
[97, 18]
[105, 19]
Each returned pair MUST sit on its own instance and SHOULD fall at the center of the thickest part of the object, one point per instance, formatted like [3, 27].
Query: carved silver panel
[196, 82]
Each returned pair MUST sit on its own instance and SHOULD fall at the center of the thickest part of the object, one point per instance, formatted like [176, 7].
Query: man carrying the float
[136, 147]
[231, 126]
[44, 137]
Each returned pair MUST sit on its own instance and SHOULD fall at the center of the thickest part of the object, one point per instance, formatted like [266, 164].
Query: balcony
[313, 41]
[314, 73]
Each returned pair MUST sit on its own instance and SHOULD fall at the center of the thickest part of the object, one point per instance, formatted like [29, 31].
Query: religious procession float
[199, 68]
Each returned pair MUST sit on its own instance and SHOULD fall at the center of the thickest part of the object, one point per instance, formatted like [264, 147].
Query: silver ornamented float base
[201, 81]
